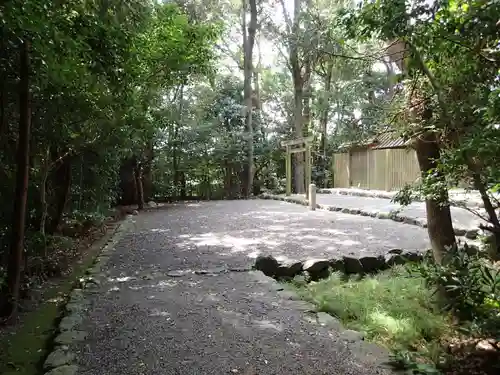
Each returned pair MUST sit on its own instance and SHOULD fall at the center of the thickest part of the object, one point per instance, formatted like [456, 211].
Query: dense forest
[107, 102]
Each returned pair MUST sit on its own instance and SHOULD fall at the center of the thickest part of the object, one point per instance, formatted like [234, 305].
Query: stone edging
[471, 234]
[390, 195]
[316, 269]
[61, 360]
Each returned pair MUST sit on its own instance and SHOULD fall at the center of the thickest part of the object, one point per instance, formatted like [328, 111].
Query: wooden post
[288, 171]
[308, 168]
[312, 197]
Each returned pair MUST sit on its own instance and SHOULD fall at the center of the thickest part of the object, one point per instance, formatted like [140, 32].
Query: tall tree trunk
[182, 182]
[439, 223]
[298, 158]
[248, 44]
[147, 171]
[325, 106]
[175, 164]
[139, 186]
[61, 191]
[9, 309]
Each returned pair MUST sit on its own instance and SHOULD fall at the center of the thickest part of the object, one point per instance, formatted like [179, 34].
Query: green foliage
[471, 283]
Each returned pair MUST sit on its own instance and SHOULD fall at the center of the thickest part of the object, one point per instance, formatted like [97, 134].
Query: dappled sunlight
[239, 320]
[160, 230]
[160, 313]
[390, 324]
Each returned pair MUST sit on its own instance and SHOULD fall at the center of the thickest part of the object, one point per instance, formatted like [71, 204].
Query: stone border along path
[316, 269]
[458, 198]
[60, 359]
[470, 234]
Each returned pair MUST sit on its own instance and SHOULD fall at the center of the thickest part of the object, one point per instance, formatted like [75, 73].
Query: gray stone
[267, 264]
[152, 204]
[410, 220]
[69, 322]
[63, 370]
[58, 357]
[459, 231]
[352, 336]
[327, 320]
[485, 345]
[135, 212]
[355, 211]
[289, 268]
[337, 265]
[76, 295]
[317, 268]
[70, 337]
[395, 251]
[383, 215]
[315, 265]
[412, 256]
[352, 265]
[471, 234]
[346, 210]
[372, 264]
[394, 259]
[76, 307]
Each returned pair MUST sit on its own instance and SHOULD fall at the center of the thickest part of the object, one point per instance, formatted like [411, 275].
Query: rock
[352, 336]
[372, 264]
[352, 265]
[289, 268]
[471, 234]
[64, 370]
[317, 268]
[459, 232]
[152, 204]
[394, 259]
[70, 337]
[485, 345]
[327, 320]
[412, 256]
[315, 265]
[410, 220]
[69, 322]
[58, 357]
[135, 212]
[267, 264]
[337, 265]
[395, 251]
[346, 210]
[383, 215]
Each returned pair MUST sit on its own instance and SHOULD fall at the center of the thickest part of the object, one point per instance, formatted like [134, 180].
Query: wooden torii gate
[292, 147]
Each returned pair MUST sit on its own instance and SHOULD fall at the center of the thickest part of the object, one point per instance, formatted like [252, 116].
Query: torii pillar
[292, 147]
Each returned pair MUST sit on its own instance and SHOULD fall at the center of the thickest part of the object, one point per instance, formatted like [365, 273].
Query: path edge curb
[60, 360]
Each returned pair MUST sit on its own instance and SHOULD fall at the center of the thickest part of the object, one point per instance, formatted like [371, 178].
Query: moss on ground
[24, 348]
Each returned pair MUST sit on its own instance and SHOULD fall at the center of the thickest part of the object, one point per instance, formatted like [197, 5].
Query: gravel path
[176, 295]
[461, 217]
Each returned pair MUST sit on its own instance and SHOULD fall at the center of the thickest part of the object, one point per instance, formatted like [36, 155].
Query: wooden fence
[386, 169]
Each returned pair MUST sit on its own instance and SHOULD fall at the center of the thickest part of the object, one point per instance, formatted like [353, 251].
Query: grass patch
[391, 308]
[24, 347]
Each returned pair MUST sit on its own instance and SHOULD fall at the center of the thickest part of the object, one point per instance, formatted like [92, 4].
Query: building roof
[389, 140]
[381, 141]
